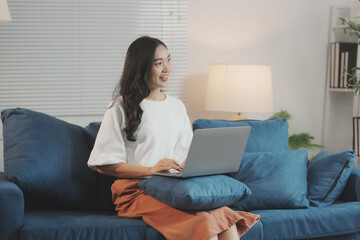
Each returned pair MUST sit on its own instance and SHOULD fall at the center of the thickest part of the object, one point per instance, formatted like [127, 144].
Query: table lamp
[4, 12]
[239, 88]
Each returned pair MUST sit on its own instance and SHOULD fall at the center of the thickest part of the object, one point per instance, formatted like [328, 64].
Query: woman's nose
[166, 68]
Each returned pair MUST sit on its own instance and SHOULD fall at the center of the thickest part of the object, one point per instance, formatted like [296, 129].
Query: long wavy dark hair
[133, 85]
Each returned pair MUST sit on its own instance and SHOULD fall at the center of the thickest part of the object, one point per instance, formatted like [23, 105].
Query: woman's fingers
[167, 164]
[177, 166]
[183, 163]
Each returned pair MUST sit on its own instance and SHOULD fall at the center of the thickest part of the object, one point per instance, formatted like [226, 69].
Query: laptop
[213, 151]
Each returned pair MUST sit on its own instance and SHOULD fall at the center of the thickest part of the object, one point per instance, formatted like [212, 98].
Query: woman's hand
[166, 164]
[183, 163]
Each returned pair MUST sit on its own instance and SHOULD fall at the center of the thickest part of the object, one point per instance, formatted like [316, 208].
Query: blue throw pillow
[327, 176]
[352, 188]
[276, 180]
[198, 193]
[265, 136]
[47, 158]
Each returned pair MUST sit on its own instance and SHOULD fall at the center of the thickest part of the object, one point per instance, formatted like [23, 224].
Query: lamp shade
[4, 12]
[239, 88]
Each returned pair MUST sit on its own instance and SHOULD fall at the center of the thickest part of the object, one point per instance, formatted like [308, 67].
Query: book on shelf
[342, 73]
[343, 57]
[356, 135]
[332, 64]
[347, 70]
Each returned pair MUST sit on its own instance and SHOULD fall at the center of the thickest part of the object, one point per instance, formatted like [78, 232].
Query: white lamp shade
[4, 12]
[239, 88]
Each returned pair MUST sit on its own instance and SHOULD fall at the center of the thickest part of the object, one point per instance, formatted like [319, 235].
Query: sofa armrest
[352, 188]
[11, 209]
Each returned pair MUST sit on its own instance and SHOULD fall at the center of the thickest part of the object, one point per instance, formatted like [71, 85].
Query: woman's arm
[125, 170]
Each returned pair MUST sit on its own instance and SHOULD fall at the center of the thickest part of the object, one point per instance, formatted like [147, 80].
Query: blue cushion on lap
[198, 193]
[327, 176]
[47, 158]
[276, 180]
[265, 136]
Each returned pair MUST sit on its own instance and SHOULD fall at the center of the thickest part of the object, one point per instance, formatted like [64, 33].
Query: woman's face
[161, 69]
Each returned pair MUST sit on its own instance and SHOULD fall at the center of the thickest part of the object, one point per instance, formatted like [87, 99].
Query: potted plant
[298, 141]
[352, 27]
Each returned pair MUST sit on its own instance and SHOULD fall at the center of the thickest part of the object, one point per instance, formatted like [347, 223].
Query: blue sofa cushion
[327, 176]
[351, 236]
[104, 181]
[198, 193]
[93, 129]
[255, 232]
[265, 136]
[47, 158]
[352, 188]
[11, 210]
[59, 225]
[340, 218]
[276, 180]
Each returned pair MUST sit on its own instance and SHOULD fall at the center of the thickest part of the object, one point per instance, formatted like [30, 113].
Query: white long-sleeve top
[164, 132]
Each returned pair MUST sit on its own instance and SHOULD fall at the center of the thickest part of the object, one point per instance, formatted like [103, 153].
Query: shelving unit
[340, 104]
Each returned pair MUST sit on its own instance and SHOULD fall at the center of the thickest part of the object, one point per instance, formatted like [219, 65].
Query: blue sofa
[48, 192]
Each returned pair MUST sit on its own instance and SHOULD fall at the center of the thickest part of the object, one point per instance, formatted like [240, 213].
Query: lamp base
[238, 117]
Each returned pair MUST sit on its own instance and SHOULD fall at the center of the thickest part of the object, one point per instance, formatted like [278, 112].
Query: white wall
[290, 36]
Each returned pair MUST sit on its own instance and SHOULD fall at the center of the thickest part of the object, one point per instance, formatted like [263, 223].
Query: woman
[145, 130]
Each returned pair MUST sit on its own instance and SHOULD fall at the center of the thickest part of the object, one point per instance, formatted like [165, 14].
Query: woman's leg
[215, 237]
[132, 202]
[174, 224]
[230, 234]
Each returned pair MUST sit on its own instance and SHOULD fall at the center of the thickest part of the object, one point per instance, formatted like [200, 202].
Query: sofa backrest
[266, 136]
[47, 158]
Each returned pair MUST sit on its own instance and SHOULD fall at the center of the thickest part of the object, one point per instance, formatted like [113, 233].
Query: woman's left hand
[183, 163]
[166, 164]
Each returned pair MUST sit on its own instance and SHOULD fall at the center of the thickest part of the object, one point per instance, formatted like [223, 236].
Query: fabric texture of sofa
[48, 192]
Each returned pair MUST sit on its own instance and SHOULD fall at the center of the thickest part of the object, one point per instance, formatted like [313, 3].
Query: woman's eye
[158, 64]
[169, 60]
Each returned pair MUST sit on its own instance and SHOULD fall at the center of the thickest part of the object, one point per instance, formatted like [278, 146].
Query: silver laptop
[213, 151]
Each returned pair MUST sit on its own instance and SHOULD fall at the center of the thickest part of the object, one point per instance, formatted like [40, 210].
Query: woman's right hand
[166, 164]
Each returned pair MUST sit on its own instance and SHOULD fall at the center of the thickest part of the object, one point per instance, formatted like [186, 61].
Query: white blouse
[164, 132]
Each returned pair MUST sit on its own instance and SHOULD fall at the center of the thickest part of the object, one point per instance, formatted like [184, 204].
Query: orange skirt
[130, 201]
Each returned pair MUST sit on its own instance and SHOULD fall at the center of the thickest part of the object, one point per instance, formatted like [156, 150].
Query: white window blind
[65, 57]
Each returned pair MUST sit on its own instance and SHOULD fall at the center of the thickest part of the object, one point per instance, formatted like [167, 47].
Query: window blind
[66, 57]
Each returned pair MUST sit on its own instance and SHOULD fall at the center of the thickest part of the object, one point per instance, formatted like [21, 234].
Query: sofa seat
[255, 232]
[76, 225]
[341, 218]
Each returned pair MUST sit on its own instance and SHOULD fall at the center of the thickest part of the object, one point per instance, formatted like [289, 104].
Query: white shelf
[341, 104]
[342, 90]
[340, 27]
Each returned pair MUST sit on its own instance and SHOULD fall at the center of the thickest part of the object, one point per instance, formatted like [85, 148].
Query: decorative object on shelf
[4, 12]
[239, 88]
[298, 141]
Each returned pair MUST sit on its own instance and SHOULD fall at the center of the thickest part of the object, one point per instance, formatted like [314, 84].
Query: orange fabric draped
[130, 201]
